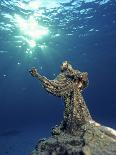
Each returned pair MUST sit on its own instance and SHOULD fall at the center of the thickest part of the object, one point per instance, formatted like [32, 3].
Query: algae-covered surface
[78, 133]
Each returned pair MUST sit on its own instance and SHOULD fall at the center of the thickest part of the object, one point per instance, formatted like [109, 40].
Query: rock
[87, 140]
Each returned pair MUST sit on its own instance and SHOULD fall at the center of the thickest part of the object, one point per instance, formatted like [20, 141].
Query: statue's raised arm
[49, 85]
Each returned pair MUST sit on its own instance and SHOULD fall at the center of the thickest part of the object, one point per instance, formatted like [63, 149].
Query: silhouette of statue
[78, 133]
[69, 85]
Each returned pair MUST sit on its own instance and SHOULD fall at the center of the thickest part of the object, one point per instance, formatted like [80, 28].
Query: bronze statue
[78, 133]
[69, 85]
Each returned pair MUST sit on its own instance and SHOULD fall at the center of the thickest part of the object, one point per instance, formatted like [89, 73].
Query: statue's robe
[69, 85]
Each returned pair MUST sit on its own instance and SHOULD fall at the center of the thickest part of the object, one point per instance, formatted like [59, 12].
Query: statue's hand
[33, 72]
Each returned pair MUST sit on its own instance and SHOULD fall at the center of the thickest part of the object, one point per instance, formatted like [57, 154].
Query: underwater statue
[69, 85]
[78, 133]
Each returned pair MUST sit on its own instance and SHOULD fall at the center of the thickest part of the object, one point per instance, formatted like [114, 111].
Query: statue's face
[65, 66]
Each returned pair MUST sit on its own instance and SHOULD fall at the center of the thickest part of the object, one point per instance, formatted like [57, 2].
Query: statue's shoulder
[60, 77]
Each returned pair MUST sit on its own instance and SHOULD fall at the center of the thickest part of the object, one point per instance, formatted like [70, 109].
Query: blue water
[44, 34]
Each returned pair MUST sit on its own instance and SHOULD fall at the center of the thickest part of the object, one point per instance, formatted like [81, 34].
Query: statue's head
[66, 66]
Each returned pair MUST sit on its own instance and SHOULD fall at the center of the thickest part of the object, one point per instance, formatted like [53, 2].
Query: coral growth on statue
[78, 133]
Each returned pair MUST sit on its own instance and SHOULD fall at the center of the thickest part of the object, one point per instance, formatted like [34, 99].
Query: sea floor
[21, 141]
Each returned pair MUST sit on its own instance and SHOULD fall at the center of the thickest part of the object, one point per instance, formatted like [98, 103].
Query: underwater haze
[44, 33]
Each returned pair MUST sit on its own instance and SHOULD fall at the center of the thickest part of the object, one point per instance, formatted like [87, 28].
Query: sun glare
[30, 27]
[32, 5]
[31, 31]
[32, 43]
